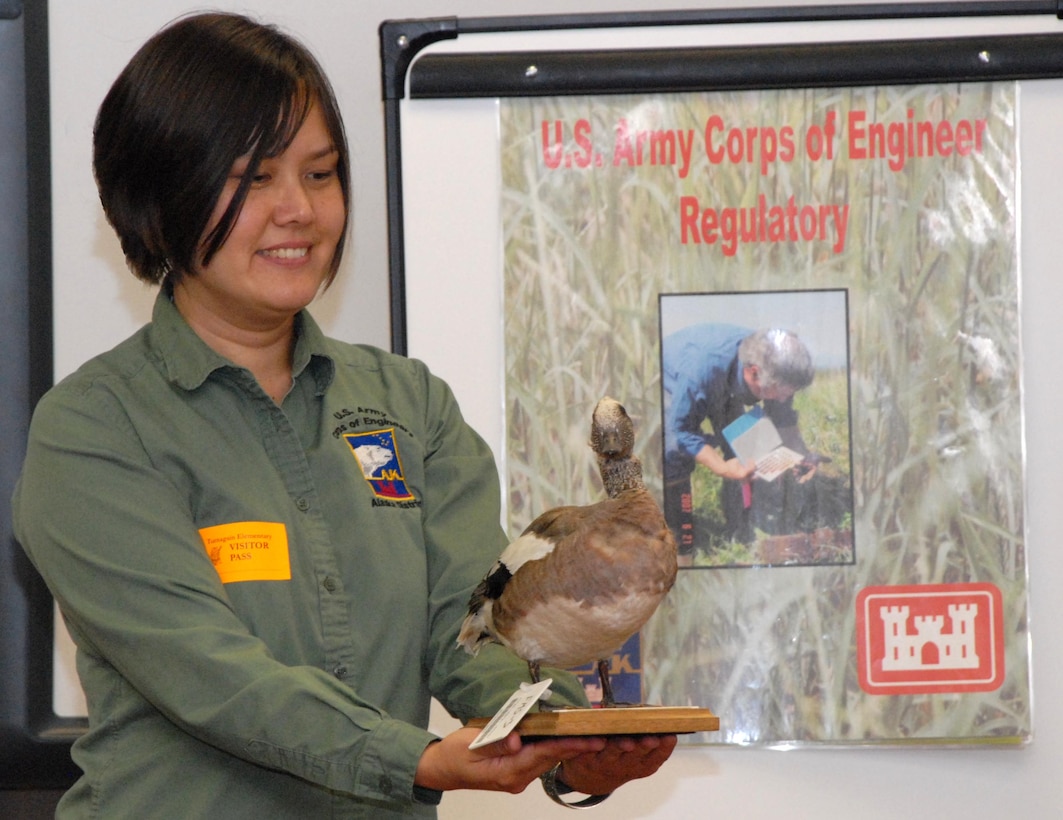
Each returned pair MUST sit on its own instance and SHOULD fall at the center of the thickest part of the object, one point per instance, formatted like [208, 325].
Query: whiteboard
[450, 316]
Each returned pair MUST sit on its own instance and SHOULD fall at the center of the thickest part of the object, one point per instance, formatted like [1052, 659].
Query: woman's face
[280, 250]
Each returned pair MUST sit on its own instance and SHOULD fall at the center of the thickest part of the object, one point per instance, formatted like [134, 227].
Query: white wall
[97, 304]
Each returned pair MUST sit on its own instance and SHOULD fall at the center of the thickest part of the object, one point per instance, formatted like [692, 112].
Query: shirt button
[340, 671]
[302, 504]
[330, 584]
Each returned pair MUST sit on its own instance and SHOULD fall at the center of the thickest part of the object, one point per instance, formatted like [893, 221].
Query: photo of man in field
[731, 428]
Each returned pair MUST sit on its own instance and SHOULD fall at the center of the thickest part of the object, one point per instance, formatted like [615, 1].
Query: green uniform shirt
[225, 678]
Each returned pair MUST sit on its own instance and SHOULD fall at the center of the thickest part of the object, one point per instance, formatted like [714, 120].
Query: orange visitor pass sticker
[248, 551]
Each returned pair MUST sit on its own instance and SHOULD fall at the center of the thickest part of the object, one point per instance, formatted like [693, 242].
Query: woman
[263, 540]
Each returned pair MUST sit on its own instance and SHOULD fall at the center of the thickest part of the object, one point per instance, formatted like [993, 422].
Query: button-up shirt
[264, 598]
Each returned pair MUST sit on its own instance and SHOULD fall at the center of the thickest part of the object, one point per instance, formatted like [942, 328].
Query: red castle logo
[930, 638]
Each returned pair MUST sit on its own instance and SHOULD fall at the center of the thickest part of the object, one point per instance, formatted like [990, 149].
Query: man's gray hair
[780, 356]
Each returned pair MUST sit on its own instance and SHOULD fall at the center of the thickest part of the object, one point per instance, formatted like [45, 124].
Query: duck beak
[611, 444]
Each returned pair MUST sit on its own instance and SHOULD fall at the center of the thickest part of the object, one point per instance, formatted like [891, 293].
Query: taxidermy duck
[580, 580]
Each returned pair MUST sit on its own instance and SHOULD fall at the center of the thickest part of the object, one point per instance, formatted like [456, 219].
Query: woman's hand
[622, 759]
[508, 765]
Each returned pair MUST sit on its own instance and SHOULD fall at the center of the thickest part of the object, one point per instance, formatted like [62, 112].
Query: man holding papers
[715, 373]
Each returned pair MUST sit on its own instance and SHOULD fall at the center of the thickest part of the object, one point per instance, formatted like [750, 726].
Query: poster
[876, 590]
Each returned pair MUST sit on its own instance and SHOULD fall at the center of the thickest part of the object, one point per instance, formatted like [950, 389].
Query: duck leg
[536, 676]
[607, 687]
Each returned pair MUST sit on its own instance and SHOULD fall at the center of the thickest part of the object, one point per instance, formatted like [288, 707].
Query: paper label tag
[511, 712]
[248, 551]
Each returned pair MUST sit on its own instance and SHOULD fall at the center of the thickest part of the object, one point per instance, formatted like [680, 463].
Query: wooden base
[616, 720]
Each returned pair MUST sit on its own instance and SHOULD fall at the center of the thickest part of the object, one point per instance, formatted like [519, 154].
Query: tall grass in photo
[931, 267]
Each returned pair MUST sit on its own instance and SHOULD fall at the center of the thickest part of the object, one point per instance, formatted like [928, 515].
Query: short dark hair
[203, 92]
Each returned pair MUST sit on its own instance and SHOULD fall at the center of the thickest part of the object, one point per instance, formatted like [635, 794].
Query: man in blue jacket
[714, 372]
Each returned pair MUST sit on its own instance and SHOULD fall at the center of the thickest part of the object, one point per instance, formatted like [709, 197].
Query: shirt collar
[189, 361]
